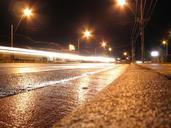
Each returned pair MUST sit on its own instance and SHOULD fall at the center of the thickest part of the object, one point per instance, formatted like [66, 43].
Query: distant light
[125, 53]
[155, 54]
[104, 44]
[110, 49]
[164, 42]
[139, 62]
[71, 47]
[118, 59]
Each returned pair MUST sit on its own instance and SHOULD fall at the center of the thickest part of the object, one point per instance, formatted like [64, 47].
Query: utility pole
[12, 35]
[12, 42]
[133, 50]
[78, 45]
[167, 49]
[142, 30]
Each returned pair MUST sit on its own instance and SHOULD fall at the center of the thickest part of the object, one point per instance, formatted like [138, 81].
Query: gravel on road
[140, 98]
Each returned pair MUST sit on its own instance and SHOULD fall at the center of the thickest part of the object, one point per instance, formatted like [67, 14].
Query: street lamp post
[142, 30]
[78, 45]
[86, 34]
[165, 43]
[12, 35]
[103, 45]
[122, 3]
[27, 12]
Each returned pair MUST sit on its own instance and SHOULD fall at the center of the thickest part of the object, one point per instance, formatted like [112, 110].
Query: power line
[134, 30]
[143, 21]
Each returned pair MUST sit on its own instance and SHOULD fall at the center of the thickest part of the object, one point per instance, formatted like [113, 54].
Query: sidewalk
[164, 69]
[140, 98]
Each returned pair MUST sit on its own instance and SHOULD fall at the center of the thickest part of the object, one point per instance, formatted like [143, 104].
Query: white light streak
[56, 55]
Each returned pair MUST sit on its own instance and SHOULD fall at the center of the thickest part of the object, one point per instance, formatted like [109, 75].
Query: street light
[86, 34]
[104, 44]
[141, 22]
[121, 3]
[125, 53]
[110, 49]
[27, 12]
[165, 43]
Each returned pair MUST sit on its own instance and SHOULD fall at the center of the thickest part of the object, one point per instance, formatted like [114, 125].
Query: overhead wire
[136, 24]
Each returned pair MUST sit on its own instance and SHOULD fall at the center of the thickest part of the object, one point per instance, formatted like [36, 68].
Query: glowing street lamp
[121, 2]
[125, 53]
[141, 19]
[104, 44]
[110, 49]
[86, 34]
[27, 12]
[165, 43]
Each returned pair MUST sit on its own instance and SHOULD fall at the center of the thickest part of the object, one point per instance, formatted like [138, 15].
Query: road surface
[38, 95]
[140, 98]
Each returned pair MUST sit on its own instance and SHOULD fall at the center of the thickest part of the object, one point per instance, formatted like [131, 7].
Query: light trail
[56, 55]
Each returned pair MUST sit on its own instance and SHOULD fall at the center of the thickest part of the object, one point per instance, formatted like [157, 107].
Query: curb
[168, 76]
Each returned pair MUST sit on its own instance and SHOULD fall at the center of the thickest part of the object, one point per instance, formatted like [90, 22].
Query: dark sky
[61, 21]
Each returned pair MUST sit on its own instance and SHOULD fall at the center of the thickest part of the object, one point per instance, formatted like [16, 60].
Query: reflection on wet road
[66, 88]
[31, 68]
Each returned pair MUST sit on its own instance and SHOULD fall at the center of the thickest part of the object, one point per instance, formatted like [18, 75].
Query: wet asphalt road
[38, 95]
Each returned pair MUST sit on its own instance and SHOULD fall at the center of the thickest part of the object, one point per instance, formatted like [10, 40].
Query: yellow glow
[27, 12]
[87, 34]
[104, 44]
[110, 49]
[121, 2]
[23, 104]
[164, 42]
[125, 53]
[71, 47]
[56, 55]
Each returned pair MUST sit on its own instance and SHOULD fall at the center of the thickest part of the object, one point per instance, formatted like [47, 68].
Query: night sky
[62, 21]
